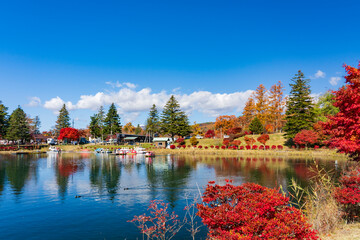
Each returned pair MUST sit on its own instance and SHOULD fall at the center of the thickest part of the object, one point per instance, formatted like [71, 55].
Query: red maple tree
[306, 137]
[71, 134]
[344, 127]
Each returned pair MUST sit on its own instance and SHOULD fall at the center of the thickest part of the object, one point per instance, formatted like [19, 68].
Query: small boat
[140, 150]
[106, 150]
[54, 149]
[131, 152]
[122, 151]
[150, 154]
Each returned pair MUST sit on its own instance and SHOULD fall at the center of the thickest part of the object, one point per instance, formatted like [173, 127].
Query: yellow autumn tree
[262, 104]
[224, 123]
[196, 129]
[277, 103]
[248, 113]
[129, 128]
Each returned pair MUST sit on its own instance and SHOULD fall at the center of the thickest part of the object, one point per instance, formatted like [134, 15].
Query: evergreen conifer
[300, 110]
[63, 120]
[173, 120]
[18, 129]
[112, 123]
[256, 126]
[4, 120]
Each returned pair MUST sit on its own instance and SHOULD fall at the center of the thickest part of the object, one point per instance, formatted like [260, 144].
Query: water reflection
[115, 188]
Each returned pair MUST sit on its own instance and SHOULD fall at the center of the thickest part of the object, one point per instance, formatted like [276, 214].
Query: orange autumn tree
[277, 104]
[344, 127]
[262, 104]
[248, 113]
[225, 122]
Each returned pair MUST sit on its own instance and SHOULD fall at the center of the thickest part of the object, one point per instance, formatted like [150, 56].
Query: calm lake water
[38, 193]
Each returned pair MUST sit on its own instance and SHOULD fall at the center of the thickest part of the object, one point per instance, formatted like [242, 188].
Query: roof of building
[161, 139]
[130, 138]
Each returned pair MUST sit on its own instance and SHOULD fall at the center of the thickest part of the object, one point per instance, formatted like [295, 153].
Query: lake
[92, 196]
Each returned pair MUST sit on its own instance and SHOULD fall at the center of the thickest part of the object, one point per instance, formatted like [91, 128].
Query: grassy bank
[275, 139]
[227, 152]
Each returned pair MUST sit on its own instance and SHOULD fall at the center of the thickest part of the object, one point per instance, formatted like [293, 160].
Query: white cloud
[319, 74]
[34, 102]
[131, 103]
[56, 103]
[315, 96]
[334, 80]
[130, 85]
[117, 84]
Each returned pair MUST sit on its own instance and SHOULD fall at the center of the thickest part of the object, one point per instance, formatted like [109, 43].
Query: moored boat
[53, 149]
[149, 154]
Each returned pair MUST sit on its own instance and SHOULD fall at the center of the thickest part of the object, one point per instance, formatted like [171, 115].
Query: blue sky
[210, 54]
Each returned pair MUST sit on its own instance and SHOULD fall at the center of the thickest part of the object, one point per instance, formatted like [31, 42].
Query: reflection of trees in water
[18, 170]
[171, 174]
[266, 171]
[105, 173]
[66, 166]
[2, 176]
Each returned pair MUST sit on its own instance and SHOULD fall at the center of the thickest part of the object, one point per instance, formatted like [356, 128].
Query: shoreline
[212, 152]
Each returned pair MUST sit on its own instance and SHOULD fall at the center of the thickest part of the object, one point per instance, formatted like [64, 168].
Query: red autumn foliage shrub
[223, 147]
[316, 147]
[206, 147]
[236, 142]
[249, 140]
[306, 137]
[212, 146]
[181, 141]
[226, 142]
[172, 146]
[348, 195]
[71, 134]
[267, 147]
[273, 147]
[209, 134]
[263, 138]
[280, 147]
[251, 211]
[344, 127]
[248, 147]
[160, 224]
[217, 147]
[200, 146]
[241, 147]
[254, 147]
[261, 147]
[183, 146]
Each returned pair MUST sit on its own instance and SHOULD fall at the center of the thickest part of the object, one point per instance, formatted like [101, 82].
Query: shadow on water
[112, 189]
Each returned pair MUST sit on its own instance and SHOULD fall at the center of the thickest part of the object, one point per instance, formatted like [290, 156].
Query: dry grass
[317, 201]
[344, 232]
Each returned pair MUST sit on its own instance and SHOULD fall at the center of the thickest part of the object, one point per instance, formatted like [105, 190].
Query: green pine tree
[18, 129]
[173, 120]
[300, 110]
[138, 130]
[63, 120]
[112, 123]
[152, 122]
[4, 120]
[256, 126]
[94, 126]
